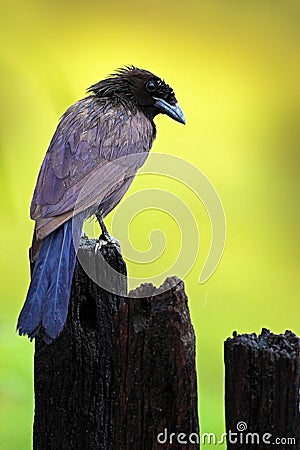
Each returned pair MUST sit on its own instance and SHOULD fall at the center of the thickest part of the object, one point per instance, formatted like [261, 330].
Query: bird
[100, 141]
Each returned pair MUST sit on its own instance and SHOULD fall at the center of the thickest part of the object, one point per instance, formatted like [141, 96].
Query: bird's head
[146, 90]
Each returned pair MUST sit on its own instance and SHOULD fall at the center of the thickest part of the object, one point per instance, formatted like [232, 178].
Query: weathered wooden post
[158, 387]
[262, 382]
[76, 377]
[123, 370]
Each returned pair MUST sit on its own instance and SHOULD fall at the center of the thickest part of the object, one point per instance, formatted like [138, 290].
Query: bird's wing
[94, 150]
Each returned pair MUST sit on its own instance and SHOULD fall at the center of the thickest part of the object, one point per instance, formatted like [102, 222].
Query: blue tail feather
[46, 306]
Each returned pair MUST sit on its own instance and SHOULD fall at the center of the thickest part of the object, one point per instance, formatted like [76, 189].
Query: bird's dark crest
[123, 70]
[116, 84]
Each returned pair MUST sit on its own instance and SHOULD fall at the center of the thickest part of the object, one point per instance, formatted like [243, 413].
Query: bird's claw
[97, 246]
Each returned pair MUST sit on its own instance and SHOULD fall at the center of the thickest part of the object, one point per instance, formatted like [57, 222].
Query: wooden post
[75, 377]
[262, 381]
[121, 372]
[157, 370]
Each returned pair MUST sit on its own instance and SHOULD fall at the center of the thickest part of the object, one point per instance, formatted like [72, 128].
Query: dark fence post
[121, 372]
[158, 374]
[262, 381]
[75, 377]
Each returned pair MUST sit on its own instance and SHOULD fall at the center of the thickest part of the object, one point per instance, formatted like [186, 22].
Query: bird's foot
[107, 239]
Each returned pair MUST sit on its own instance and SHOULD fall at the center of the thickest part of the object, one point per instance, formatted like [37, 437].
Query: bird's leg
[104, 231]
[105, 237]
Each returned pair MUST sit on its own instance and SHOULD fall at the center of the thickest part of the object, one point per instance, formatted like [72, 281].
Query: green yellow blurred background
[234, 66]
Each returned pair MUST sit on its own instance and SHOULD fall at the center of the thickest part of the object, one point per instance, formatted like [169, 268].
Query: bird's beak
[173, 111]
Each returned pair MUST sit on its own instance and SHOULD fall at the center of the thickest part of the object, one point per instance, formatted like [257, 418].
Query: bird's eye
[151, 85]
